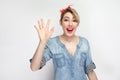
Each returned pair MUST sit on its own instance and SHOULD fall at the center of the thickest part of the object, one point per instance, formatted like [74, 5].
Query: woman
[70, 53]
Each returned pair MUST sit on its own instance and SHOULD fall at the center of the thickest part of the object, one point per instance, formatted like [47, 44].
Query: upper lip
[69, 28]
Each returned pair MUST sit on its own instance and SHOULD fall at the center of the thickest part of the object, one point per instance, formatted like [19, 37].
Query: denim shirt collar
[62, 45]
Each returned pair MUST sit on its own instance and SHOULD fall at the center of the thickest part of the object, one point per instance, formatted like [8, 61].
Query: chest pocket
[59, 60]
[82, 59]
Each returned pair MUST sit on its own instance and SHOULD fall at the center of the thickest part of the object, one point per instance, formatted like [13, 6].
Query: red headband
[63, 10]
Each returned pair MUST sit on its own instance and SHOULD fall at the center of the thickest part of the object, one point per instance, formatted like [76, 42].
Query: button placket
[72, 67]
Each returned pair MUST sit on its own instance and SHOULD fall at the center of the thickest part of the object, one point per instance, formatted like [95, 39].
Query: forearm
[35, 63]
[92, 76]
[44, 34]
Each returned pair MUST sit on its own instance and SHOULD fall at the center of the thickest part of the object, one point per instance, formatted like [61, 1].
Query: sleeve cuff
[43, 62]
[90, 68]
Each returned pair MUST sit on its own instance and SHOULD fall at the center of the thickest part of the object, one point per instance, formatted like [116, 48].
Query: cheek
[63, 24]
[76, 25]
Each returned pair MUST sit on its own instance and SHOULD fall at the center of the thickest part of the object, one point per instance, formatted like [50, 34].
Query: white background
[100, 24]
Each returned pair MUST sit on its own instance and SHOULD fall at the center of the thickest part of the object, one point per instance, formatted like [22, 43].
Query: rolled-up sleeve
[89, 64]
[47, 55]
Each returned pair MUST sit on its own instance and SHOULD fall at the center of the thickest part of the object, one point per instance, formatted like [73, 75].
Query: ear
[78, 24]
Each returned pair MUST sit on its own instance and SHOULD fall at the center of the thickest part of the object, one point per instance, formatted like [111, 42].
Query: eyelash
[67, 20]
[74, 20]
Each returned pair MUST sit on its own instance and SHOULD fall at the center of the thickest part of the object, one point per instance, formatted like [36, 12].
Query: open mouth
[69, 30]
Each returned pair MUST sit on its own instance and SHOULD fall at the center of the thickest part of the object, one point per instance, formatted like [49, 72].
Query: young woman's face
[69, 24]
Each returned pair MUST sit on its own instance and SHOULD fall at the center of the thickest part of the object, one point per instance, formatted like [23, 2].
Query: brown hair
[72, 11]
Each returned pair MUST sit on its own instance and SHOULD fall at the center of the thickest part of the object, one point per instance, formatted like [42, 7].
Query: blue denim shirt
[67, 67]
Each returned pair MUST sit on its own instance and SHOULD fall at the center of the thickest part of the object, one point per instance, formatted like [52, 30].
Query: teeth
[69, 29]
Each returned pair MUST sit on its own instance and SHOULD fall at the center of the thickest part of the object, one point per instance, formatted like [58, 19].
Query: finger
[51, 30]
[48, 23]
[42, 23]
[39, 23]
[36, 28]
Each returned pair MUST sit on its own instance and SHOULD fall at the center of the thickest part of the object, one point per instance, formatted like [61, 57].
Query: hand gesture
[43, 30]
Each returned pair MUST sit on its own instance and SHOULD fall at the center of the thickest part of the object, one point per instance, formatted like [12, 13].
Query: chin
[69, 35]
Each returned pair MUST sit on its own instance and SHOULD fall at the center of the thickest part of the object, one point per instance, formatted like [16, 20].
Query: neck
[67, 38]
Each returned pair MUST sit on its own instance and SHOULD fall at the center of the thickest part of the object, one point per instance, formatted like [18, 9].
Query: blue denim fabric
[67, 67]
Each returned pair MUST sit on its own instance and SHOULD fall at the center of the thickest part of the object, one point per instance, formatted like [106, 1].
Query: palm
[43, 30]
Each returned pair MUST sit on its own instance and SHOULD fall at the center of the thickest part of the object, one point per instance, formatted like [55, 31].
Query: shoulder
[52, 40]
[84, 43]
[54, 45]
[84, 40]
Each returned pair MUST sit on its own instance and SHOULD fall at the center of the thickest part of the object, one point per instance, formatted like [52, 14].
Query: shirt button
[72, 74]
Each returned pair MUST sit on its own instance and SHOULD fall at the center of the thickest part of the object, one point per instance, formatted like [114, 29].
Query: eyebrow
[68, 17]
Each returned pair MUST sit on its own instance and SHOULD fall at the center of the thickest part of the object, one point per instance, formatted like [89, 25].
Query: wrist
[43, 42]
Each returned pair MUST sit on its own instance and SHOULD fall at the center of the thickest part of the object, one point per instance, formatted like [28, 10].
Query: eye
[65, 19]
[74, 20]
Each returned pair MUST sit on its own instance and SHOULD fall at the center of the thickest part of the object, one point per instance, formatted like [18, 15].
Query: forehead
[68, 15]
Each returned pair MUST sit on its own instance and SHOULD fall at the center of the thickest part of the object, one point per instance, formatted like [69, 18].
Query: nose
[70, 23]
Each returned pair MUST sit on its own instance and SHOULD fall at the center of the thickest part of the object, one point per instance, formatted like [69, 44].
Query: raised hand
[43, 30]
